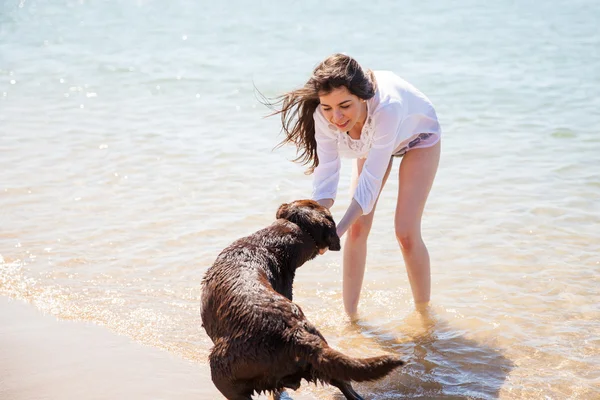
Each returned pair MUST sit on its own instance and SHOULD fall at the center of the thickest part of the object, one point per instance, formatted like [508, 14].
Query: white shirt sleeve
[387, 121]
[326, 175]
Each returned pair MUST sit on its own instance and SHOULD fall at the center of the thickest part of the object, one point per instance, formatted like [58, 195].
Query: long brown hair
[298, 106]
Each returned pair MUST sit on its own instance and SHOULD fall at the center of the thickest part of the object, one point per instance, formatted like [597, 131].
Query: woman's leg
[417, 172]
[355, 247]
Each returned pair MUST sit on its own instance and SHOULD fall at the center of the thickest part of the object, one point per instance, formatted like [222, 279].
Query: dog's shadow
[442, 363]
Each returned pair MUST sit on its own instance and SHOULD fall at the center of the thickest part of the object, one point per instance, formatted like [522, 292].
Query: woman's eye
[345, 106]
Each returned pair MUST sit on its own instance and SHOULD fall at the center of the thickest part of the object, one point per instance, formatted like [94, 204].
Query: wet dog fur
[262, 340]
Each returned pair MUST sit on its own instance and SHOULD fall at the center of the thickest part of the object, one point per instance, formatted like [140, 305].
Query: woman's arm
[326, 175]
[352, 213]
[386, 125]
[370, 181]
[327, 203]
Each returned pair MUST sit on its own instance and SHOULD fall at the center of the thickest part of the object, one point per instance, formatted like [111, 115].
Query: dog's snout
[334, 241]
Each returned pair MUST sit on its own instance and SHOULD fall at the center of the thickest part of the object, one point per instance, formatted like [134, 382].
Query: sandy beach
[45, 358]
[42, 357]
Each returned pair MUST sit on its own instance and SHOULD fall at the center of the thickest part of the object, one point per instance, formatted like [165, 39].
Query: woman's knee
[359, 230]
[408, 237]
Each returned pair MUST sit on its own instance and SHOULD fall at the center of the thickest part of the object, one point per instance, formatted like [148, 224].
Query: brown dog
[262, 340]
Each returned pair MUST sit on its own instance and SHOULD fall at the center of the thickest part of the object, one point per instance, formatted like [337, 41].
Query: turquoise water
[133, 148]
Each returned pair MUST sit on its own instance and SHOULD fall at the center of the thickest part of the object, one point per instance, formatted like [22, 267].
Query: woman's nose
[337, 115]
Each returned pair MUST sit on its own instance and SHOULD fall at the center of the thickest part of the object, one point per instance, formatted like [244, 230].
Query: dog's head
[314, 219]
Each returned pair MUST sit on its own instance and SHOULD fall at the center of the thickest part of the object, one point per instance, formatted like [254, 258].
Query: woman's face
[343, 109]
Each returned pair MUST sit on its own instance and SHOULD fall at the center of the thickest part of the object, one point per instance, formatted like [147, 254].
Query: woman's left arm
[386, 123]
[353, 212]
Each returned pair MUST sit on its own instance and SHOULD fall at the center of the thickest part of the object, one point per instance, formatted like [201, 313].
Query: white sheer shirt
[396, 116]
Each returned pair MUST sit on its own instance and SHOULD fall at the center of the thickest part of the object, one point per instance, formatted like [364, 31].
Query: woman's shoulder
[392, 86]
[392, 89]
[386, 79]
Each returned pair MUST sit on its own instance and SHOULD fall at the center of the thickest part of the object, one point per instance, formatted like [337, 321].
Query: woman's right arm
[327, 203]
[326, 175]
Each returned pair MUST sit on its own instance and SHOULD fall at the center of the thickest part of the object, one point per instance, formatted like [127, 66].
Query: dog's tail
[332, 363]
[329, 364]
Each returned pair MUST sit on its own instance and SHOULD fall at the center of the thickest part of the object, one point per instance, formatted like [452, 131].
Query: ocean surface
[134, 147]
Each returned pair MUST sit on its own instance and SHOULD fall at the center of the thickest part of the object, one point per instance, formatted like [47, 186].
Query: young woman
[344, 110]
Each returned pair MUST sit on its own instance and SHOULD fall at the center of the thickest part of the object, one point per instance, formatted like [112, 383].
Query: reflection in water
[442, 363]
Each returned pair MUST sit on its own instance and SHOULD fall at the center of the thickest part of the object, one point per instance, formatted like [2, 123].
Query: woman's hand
[352, 214]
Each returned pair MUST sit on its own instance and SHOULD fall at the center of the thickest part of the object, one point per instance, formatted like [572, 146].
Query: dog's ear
[296, 212]
[283, 211]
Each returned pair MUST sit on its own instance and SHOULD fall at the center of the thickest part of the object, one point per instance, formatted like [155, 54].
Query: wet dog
[262, 340]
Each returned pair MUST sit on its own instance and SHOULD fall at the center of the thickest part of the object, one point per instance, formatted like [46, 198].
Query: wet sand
[45, 358]
[42, 357]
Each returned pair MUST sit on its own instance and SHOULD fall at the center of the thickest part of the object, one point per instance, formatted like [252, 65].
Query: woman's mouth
[342, 126]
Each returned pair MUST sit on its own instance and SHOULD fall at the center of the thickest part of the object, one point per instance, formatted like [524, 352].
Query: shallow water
[133, 148]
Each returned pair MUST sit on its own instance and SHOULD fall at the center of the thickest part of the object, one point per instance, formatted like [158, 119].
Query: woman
[370, 116]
